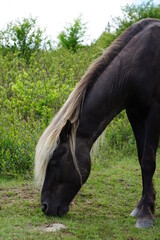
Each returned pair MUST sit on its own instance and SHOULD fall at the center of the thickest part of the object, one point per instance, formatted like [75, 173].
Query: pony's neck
[90, 132]
[102, 103]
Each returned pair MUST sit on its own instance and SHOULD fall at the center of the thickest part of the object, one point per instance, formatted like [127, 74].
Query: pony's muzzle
[56, 211]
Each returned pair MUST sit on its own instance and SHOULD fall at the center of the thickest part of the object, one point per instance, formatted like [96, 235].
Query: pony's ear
[66, 130]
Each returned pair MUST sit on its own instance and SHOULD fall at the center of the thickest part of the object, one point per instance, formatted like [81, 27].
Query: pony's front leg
[145, 208]
[138, 126]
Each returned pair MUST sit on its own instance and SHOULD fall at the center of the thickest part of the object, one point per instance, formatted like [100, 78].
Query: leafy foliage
[72, 36]
[133, 13]
[30, 95]
[23, 37]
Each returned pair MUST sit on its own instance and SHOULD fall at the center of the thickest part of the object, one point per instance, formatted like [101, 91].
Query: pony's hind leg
[147, 146]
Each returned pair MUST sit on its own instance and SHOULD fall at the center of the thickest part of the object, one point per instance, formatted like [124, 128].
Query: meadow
[99, 211]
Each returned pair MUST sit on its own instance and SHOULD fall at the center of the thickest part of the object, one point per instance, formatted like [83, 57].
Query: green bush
[73, 36]
[24, 38]
[135, 12]
[30, 96]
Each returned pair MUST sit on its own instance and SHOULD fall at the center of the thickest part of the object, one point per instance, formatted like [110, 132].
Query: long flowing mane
[49, 140]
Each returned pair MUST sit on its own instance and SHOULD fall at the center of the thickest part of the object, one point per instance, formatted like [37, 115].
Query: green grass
[100, 210]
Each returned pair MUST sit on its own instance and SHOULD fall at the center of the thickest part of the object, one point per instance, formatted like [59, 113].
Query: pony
[126, 76]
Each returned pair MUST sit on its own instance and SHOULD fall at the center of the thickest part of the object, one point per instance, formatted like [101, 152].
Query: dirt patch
[26, 191]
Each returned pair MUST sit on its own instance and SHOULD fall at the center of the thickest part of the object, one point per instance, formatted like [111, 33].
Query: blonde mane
[49, 140]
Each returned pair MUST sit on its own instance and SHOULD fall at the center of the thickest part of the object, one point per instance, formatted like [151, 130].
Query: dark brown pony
[126, 76]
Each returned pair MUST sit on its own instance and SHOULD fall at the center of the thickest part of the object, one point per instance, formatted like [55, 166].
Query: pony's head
[65, 173]
[62, 161]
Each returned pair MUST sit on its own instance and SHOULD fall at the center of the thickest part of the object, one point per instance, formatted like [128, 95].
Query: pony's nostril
[44, 207]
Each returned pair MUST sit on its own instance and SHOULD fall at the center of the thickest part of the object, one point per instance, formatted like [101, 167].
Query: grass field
[100, 210]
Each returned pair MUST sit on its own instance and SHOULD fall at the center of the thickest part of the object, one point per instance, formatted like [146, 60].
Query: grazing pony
[126, 76]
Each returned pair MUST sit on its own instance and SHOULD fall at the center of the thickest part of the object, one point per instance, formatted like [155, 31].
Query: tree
[22, 37]
[133, 13]
[73, 35]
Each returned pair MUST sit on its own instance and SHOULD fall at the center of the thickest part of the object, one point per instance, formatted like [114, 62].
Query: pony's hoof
[144, 223]
[135, 212]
